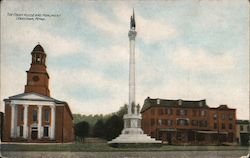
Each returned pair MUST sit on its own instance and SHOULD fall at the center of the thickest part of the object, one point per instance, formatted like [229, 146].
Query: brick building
[188, 122]
[1, 125]
[243, 132]
[34, 116]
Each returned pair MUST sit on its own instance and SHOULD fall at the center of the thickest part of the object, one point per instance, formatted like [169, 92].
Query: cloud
[54, 44]
[12, 82]
[152, 31]
[94, 81]
[149, 30]
[103, 23]
[198, 60]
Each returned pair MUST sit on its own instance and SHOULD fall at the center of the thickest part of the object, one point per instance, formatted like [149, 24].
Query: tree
[114, 126]
[82, 130]
[99, 129]
[122, 111]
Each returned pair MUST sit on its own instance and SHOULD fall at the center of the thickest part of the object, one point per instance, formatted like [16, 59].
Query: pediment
[31, 96]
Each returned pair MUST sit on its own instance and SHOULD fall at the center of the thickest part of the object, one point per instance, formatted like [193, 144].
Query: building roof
[32, 96]
[157, 102]
[222, 107]
[246, 122]
[38, 48]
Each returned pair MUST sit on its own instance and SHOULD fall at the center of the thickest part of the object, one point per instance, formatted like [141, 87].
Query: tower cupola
[37, 76]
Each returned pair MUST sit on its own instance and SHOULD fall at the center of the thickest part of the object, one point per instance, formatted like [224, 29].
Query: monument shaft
[132, 35]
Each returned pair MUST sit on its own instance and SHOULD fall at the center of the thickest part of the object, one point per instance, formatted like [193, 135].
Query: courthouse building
[188, 122]
[34, 116]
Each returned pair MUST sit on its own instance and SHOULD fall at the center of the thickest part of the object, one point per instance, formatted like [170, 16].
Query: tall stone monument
[132, 132]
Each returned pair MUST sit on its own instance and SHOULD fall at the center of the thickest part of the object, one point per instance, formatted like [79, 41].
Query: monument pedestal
[132, 134]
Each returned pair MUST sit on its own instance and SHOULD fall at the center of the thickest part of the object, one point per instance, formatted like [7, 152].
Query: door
[169, 137]
[34, 135]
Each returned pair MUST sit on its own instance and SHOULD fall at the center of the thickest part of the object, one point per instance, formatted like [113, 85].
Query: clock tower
[37, 75]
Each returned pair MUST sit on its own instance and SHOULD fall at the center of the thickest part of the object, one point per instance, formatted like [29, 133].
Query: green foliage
[122, 111]
[99, 129]
[82, 130]
[102, 125]
[114, 126]
[91, 119]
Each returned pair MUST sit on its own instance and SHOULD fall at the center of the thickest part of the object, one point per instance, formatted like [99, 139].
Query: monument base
[133, 137]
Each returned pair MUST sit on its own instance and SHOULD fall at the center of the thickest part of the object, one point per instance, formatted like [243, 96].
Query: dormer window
[200, 103]
[158, 101]
[179, 102]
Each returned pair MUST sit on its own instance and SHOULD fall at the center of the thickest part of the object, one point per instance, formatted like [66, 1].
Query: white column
[132, 34]
[39, 121]
[25, 121]
[13, 120]
[53, 122]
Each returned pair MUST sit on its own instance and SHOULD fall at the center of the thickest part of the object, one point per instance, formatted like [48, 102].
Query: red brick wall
[154, 113]
[7, 122]
[68, 126]
[64, 125]
[158, 113]
[226, 121]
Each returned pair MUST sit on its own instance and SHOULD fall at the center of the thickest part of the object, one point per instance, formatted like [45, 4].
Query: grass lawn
[95, 147]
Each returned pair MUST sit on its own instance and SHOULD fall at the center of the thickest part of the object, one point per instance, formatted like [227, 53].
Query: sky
[188, 50]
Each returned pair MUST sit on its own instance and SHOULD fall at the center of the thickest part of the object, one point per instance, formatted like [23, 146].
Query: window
[215, 116]
[45, 131]
[21, 115]
[215, 126]
[203, 113]
[223, 126]
[160, 111]
[47, 115]
[194, 123]
[182, 112]
[152, 122]
[230, 126]
[182, 122]
[194, 112]
[159, 122]
[170, 122]
[21, 131]
[38, 58]
[164, 121]
[223, 116]
[168, 111]
[203, 123]
[241, 127]
[248, 128]
[35, 115]
[230, 117]
[178, 112]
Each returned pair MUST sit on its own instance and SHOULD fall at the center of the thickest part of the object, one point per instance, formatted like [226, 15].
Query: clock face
[35, 78]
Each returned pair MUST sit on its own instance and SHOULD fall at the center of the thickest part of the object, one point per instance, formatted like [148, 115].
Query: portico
[22, 110]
